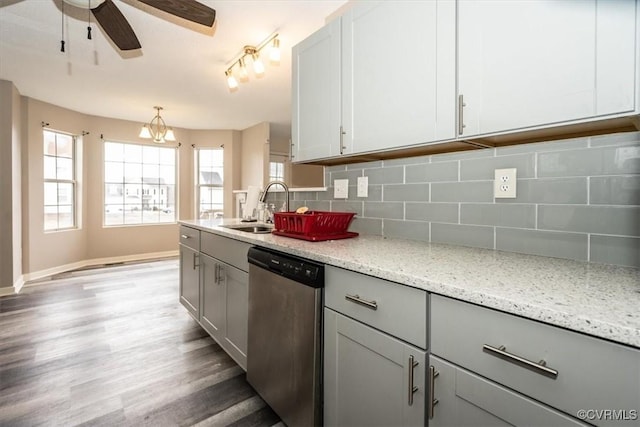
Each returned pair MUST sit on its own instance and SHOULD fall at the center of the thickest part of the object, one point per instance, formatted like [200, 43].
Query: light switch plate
[340, 188]
[504, 184]
[363, 186]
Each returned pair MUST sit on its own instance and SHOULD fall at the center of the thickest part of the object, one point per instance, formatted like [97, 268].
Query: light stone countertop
[595, 299]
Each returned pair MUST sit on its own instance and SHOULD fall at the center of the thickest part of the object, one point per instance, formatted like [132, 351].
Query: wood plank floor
[113, 347]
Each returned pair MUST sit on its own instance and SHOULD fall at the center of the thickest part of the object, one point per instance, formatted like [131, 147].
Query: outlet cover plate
[340, 188]
[363, 186]
[504, 184]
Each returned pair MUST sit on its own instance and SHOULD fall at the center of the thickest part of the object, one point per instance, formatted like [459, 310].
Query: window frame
[198, 185]
[73, 181]
[124, 183]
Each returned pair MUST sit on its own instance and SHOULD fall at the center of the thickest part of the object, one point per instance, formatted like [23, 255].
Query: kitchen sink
[254, 229]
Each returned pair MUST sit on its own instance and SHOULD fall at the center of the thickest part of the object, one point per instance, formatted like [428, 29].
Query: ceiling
[180, 66]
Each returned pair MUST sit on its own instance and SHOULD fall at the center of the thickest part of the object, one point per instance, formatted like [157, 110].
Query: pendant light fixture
[157, 129]
[252, 53]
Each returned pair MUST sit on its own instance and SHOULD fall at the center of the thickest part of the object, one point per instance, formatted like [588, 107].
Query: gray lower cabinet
[461, 398]
[375, 351]
[525, 372]
[224, 314]
[370, 378]
[189, 280]
[214, 287]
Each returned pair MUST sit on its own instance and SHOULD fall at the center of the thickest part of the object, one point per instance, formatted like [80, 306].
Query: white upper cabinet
[398, 74]
[543, 63]
[316, 95]
[381, 76]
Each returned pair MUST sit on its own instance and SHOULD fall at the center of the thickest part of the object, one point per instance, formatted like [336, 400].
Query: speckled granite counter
[596, 299]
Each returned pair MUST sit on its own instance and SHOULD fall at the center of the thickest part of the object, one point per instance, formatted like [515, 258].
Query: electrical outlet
[340, 188]
[504, 184]
[363, 186]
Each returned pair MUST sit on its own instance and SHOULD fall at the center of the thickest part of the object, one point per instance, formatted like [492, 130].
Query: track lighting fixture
[252, 53]
[157, 129]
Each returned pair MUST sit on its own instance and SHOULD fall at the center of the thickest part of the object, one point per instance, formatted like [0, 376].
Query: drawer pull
[356, 298]
[539, 367]
[184, 236]
[196, 260]
[412, 389]
[432, 390]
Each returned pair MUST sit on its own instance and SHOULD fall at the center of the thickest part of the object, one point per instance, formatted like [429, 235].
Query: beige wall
[26, 249]
[10, 182]
[255, 155]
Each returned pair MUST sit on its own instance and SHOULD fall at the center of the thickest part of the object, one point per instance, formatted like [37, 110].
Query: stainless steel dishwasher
[284, 346]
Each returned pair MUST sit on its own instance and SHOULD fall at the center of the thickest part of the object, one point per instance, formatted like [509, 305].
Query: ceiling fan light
[258, 66]
[85, 4]
[274, 52]
[144, 132]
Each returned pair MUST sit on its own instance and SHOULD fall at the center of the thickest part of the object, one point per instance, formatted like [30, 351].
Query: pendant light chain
[62, 30]
[89, 23]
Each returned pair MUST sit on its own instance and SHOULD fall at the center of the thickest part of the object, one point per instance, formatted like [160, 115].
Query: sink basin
[254, 229]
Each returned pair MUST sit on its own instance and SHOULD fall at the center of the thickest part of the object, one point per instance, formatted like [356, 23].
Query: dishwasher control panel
[301, 270]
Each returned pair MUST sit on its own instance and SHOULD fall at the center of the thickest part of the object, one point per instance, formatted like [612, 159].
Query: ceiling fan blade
[190, 10]
[116, 26]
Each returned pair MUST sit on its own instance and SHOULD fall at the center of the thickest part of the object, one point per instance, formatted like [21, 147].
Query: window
[276, 171]
[209, 164]
[139, 184]
[59, 181]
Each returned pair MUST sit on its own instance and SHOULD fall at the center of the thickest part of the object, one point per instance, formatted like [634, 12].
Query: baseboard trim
[26, 278]
[14, 289]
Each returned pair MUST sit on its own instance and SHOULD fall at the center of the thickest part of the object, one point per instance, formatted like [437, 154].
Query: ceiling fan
[116, 26]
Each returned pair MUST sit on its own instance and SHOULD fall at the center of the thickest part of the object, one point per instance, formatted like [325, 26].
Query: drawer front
[190, 237]
[390, 307]
[231, 251]
[592, 374]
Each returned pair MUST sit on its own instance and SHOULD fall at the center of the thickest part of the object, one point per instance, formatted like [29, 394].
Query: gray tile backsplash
[576, 199]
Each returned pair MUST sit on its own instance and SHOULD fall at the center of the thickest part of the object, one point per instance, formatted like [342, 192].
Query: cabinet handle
[412, 389]
[356, 298]
[461, 106]
[216, 274]
[291, 150]
[184, 236]
[220, 273]
[432, 389]
[342, 134]
[539, 368]
[195, 259]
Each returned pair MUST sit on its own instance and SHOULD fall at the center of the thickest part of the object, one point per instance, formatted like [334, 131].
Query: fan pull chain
[89, 24]
[62, 29]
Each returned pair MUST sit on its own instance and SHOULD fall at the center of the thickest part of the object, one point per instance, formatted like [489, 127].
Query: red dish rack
[314, 226]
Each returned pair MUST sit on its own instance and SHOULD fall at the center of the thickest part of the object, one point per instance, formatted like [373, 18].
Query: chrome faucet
[286, 193]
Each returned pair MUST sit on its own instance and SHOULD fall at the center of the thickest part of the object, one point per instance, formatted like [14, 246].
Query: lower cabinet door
[189, 280]
[370, 378]
[237, 312]
[213, 298]
[461, 398]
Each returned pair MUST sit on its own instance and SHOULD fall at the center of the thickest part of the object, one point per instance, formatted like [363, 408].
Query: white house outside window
[210, 181]
[139, 184]
[59, 181]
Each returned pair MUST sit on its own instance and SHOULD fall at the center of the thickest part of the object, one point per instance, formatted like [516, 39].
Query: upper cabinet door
[316, 95]
[398, 74]
[541, 63]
